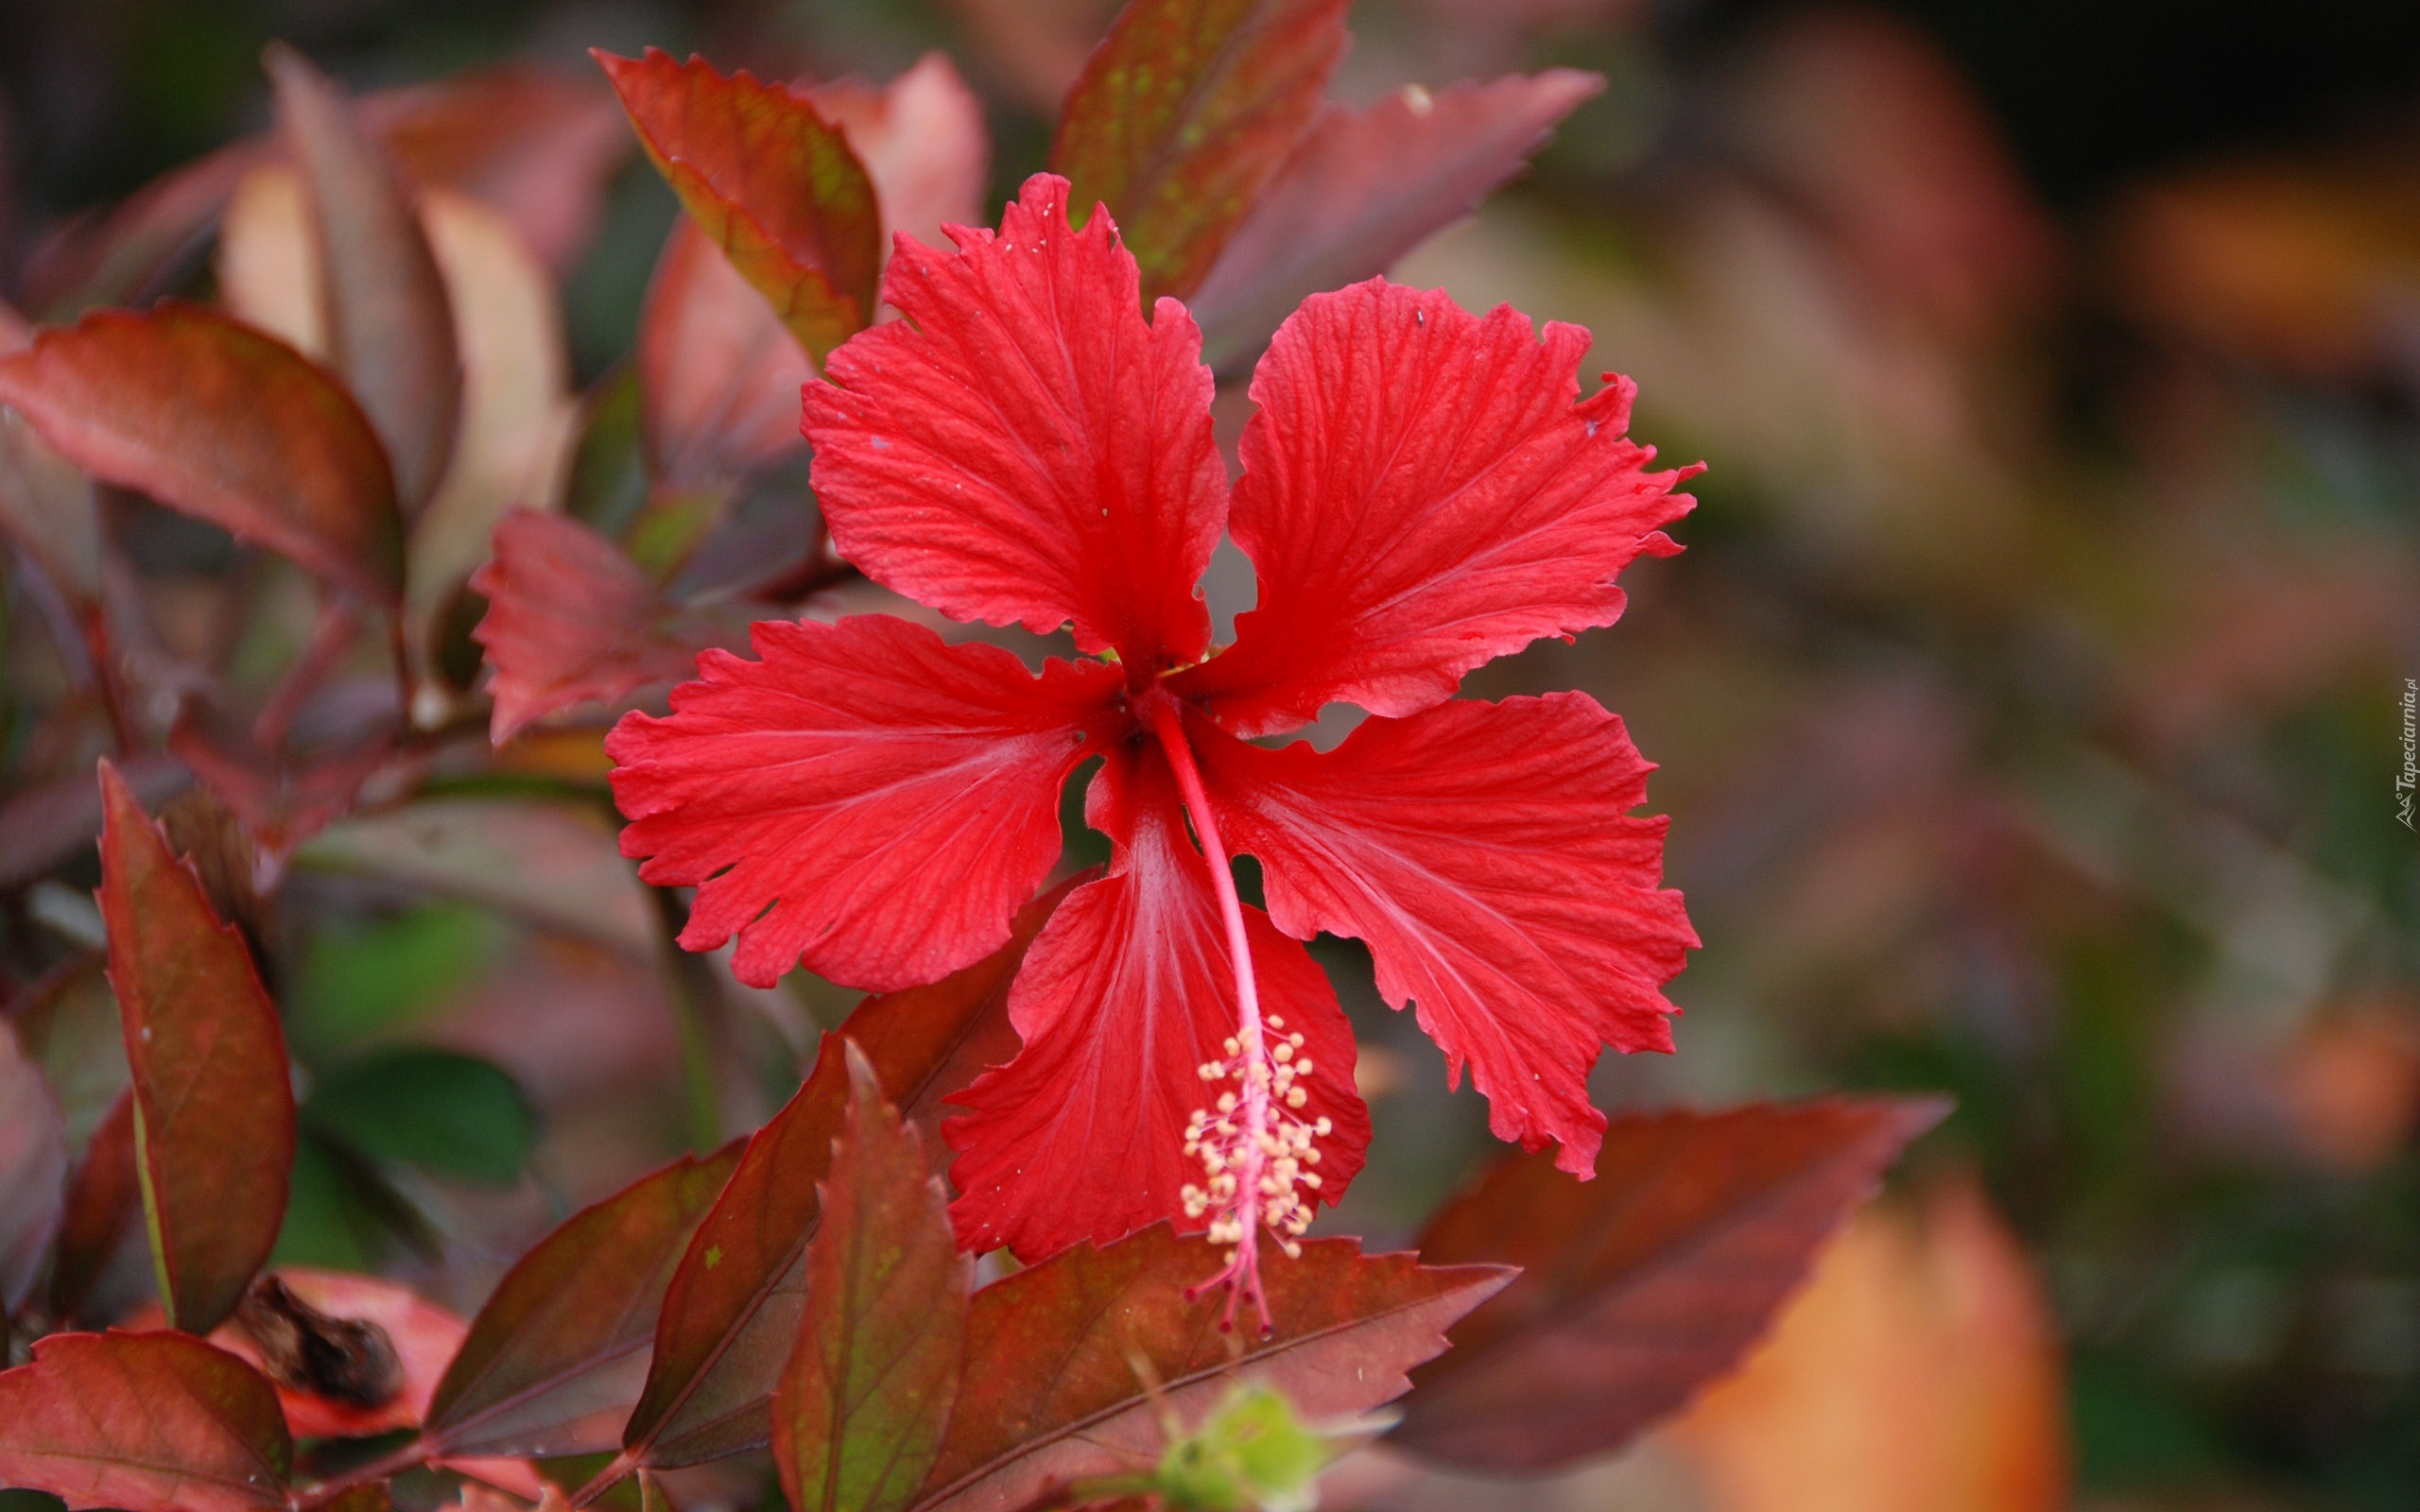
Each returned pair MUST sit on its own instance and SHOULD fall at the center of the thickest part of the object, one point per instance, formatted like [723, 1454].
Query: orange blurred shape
[2313, 266]
[2352, 1084]
[1916, 1373]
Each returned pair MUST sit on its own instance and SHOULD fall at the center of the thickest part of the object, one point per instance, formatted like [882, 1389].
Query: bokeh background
[2027, 698]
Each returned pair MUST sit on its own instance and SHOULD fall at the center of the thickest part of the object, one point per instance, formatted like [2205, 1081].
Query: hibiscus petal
[1486, 854]
[1421, 495]
[866, 799]
[1024, 448]
[1126, 993]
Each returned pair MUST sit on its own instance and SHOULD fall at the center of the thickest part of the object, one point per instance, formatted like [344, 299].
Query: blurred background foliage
[2027, 699]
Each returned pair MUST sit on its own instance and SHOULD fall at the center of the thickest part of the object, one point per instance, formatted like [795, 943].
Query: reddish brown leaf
[144, 1422]
[860, 1410]
[570, 618]
[391, 331]
[1183, 113]
[1365, 187]
[1644, 1285]
[921, 137]
[282, 797]
[719, 372]
[555, 1359]
[769, 182]
[1052, 1390]
[102, 1204]
[33, 1172]
[731, 1316]
[214, 418]
[214, 1110]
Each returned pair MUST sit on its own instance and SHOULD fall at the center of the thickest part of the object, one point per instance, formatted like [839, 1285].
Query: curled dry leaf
[213, 418]
[1365, 187]
[556, 1357]
[1184, 113]
[33, 1172]
[1060, 1357]
[1643, 1285]
[148, 1422]
[390, 329]
[769, 180]
[861, 1407]
[214, 1107]
[311, 1332]
[731, 1316]
[570, 619]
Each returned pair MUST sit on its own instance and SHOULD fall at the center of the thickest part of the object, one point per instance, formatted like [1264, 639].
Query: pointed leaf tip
[769, 180]
[861, 1408]
[389, 321]
[213, 1106]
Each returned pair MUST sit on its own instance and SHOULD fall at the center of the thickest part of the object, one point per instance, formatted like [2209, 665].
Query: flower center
[1255, 1148]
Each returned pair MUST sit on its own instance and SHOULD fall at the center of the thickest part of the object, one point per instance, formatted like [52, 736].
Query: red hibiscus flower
[1423, 491]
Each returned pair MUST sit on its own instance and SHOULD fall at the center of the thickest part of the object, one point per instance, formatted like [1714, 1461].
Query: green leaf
[1182, 115]
[214, 1110]
[861, 1408]
[358, 980]
[451, 1114]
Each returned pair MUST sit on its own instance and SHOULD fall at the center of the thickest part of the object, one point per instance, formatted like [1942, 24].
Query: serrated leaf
[769, 182]
[731, 1316]
[1365, 187]
[210, 417]
[33, 1172]
[214, 1110]
[555, 1358]
[1645, 1283]
[390, 328]
[1052, 1391]
[148, 1422]
[1184, 113]
[860, 1410]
